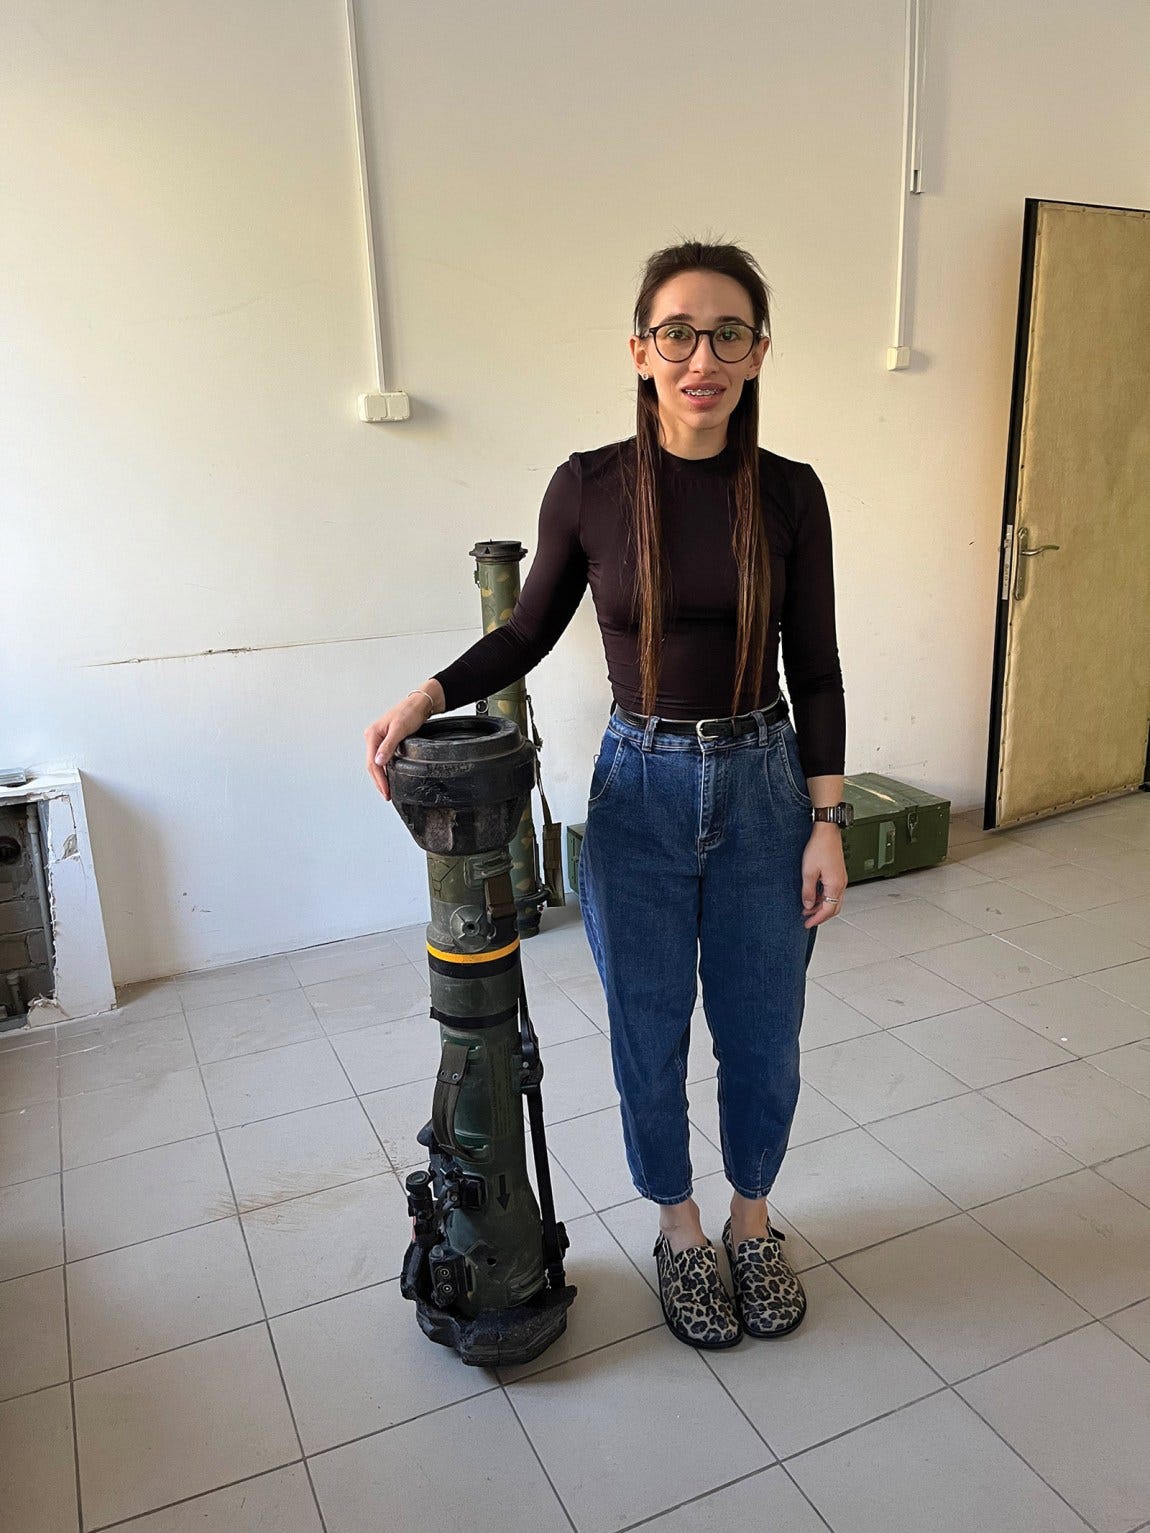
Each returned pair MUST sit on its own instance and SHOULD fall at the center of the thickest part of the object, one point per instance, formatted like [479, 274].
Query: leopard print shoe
[769, 1298]
[696, 1305]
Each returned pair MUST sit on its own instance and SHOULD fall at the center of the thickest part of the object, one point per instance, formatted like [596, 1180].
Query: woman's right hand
[386, 733]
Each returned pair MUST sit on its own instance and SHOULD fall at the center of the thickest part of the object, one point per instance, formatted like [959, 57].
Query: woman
[713, 840]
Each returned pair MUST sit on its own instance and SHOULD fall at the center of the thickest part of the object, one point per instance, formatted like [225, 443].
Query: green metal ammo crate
[897, 829]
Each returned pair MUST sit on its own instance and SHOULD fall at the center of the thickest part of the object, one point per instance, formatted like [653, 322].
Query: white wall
[185, 326]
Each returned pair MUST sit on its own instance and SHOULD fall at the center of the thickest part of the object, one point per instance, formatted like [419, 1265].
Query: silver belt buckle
[699, 735]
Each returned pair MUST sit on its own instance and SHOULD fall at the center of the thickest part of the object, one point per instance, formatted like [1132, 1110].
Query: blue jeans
[692, 862]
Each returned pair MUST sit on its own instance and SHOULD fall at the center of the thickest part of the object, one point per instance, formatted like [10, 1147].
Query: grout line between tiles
[17, 1277]
[180, 1346]
[1033, 1347]
[1090, 1058]
[114, 1527]
[41, 1389]
[206, 1005]
[578, 1357]
[1032, 1186]
[335, 979]
[1022, 1459]
[143, 1150]
[263, 1306]
[344, 1293]
[1079, 1165]
[1122, 1309]
[1027, 1075]
[1085, 1164]
[786, 1470]
[434, 1410]
[68, 1333]
[703, 1358]
[973, 1214]
[358, 1097]
[296, 1197]
[543, 1467]
[741, 1479]
[398, 1171]
[970, 1210]
[101, 1023]
[1138, 1198]
[18, 1107]
[251, 1053]
[128, 1245]
[208, 1133]
[900, 1027]
[274, 1117]
[886, 1117]
[875, 1244]
[105, 1020]
[930, 1394]
[299, 1439]
[163, 1235]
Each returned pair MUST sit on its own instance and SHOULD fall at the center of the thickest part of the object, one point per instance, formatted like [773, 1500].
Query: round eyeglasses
[676, 341]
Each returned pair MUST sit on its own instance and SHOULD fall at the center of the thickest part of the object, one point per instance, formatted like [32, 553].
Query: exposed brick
[13, 954]
[16, 877]
[38, 981]
[17, 916]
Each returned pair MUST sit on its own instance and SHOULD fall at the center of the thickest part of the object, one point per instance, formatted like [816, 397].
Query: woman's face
[697, 396]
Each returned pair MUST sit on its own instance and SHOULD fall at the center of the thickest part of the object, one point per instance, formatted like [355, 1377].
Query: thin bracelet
[419, 692]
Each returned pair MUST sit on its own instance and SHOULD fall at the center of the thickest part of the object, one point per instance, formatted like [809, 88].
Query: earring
[646, 377]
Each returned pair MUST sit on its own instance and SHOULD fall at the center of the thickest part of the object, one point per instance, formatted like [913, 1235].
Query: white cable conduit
[910, 184]
[380, 405]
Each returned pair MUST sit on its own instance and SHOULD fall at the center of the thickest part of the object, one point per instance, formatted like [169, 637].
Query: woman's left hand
[823, 864]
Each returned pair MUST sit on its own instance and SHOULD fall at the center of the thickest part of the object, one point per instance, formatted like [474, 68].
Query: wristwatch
[842, 814]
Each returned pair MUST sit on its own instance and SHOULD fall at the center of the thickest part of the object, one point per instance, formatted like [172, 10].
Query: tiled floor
[200, 1198]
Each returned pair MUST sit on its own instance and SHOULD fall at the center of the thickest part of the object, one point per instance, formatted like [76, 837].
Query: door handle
[1026, 553]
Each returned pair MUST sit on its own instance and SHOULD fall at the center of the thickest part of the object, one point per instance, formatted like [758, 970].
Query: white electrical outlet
[384, 407]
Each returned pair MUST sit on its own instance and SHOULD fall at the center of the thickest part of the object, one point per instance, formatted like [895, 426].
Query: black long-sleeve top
[584, 540]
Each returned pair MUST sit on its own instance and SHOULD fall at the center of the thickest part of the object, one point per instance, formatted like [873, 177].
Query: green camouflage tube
[497, 576]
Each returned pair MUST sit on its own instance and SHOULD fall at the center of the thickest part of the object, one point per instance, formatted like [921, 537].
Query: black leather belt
[711, 729]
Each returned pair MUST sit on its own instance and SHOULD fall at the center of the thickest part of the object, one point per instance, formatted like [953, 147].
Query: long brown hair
[748, 537]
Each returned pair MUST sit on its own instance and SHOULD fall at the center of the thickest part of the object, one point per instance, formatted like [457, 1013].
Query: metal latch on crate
[886, 843]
